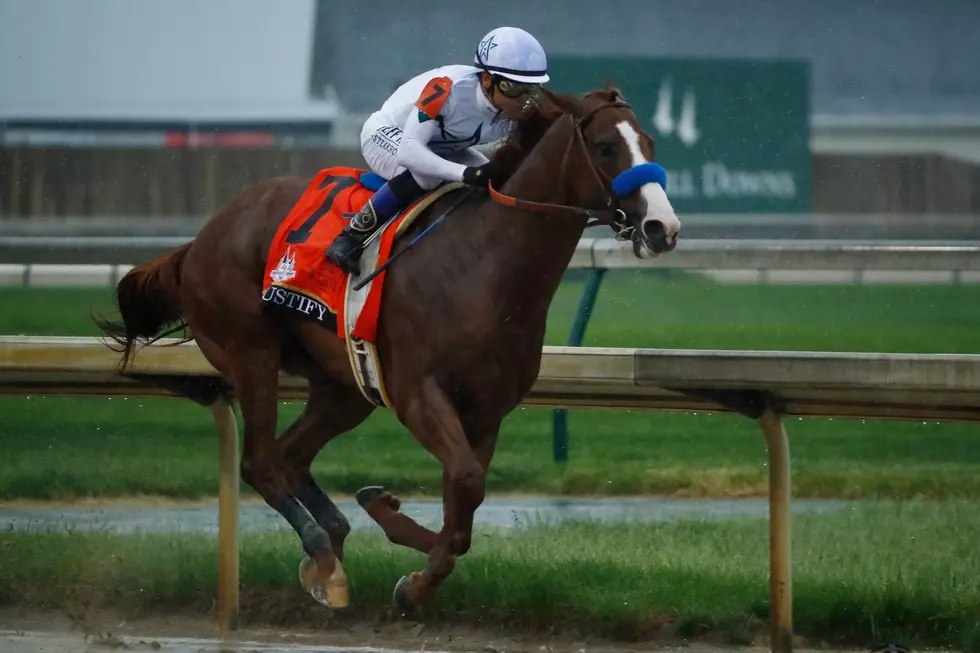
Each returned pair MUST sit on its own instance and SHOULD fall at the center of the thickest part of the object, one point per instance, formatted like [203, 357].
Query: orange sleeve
[433, 96]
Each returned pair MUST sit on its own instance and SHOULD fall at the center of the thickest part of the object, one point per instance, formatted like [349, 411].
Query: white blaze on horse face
[657, 207]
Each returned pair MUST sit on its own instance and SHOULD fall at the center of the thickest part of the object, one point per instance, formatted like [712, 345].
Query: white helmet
[512, 53]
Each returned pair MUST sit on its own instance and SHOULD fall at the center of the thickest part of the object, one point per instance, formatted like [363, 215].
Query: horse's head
[609, 164]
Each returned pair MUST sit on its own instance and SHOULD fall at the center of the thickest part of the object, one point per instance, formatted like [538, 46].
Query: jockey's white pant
[379, 146]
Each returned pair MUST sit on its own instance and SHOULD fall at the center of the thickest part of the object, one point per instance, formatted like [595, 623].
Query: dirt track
[48, 632]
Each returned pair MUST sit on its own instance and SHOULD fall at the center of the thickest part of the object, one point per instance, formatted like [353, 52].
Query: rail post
[228, 483]
[559, 418]
[780, 558]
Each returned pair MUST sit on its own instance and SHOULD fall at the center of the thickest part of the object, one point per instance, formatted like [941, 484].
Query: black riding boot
[392, 197]
[345, 250]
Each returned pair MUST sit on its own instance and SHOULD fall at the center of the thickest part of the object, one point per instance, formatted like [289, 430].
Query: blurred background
[788, 118]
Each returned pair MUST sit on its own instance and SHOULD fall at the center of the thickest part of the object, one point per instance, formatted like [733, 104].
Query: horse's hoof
[401, 596]
[329, 591]
[368, 495]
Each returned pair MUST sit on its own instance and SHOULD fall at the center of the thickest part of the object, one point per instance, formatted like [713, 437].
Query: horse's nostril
[653, 230]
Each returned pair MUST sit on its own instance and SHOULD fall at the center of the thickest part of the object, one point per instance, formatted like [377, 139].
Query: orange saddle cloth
[297, 276]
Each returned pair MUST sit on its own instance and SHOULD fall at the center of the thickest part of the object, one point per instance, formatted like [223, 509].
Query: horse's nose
[655, 234]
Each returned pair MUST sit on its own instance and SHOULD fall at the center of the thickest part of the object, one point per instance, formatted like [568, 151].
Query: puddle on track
[504, 512]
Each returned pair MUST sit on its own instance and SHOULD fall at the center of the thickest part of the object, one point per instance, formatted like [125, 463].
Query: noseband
[612, 215]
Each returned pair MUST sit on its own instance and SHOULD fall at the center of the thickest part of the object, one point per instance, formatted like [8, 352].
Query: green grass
[68, 447]
[61, 447]
[668, 309]
[892, 572]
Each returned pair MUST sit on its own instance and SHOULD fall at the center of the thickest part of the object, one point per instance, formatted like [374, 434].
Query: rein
[612, 215]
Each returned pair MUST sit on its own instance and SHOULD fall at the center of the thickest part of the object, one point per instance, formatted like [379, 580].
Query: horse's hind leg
[255, 374]
[331, 409]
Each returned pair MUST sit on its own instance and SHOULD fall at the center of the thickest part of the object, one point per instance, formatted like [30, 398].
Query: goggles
[514, 89]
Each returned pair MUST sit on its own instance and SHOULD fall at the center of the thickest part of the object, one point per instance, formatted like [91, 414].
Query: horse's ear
[615, 95]
[564, 103]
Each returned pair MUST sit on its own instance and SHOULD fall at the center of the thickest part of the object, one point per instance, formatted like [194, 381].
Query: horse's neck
[535, 248]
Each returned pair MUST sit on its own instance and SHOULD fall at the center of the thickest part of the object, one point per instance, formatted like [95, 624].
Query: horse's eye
[605, 149]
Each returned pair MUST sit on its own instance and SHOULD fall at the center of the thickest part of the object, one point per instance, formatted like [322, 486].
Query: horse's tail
[148, 299]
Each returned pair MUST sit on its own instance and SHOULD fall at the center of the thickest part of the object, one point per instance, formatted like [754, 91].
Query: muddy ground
[40, 631]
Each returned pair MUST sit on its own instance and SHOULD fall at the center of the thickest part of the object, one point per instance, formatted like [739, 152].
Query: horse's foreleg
[399, 528]
[256, 378]
[331, 409]
[336, 405]
[436, 424]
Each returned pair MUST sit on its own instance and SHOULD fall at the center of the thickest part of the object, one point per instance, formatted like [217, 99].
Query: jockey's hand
[480, 175]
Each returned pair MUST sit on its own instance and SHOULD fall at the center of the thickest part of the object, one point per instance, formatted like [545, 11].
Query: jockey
[424, 134]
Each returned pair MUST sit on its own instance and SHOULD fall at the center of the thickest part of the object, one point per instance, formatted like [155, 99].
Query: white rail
[100, 261]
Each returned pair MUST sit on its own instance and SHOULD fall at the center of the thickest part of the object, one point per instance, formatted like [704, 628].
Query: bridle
[612, 215]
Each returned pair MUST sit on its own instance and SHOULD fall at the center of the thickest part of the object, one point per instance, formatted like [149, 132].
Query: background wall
[867, 56]
[148, 108]
[139, 59]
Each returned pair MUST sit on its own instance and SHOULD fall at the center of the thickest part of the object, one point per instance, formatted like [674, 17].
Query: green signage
[733, 135]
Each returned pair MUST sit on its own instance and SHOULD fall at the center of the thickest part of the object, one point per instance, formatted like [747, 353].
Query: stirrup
[348, 261]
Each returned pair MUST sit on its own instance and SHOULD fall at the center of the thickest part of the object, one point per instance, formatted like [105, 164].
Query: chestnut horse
[460, 332]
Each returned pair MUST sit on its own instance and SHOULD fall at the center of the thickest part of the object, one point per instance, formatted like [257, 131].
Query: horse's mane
[534, 123]
[528, 129]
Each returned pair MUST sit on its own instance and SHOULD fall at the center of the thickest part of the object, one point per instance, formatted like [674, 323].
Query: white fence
[761, 385]
[41, 261]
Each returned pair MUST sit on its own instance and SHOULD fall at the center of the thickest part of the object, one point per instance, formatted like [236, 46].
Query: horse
[460, 331]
